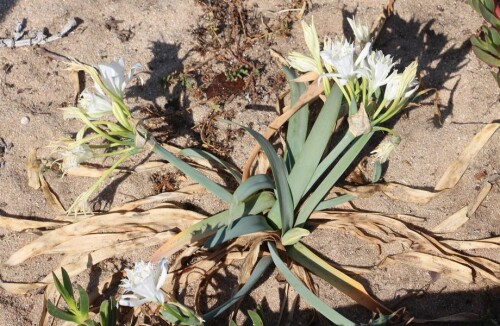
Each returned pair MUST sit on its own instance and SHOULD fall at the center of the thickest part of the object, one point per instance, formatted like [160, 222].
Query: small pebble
[25, 120]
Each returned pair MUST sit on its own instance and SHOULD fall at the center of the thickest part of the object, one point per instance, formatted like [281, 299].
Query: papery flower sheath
[76, 155]
[143, 284]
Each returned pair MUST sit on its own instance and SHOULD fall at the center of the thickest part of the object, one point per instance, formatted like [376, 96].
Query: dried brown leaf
[158, 219]
[15, 224]
[433, 263]
[33, 170]
[453, 222]
[51, 197]
[489, 243]
[458, 167]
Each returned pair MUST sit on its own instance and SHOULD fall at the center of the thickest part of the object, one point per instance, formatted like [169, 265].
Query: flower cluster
[107, 130]
[364, 75]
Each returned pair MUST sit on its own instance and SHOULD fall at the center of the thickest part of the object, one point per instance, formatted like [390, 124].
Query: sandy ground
[159, 35]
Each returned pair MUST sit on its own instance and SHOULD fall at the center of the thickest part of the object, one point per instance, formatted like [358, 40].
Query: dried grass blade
[490, 243]
[313, 91]
[478, 200]
[21, 288]
[433, 263]
[158, 218]
[458, 167]
[51, 197]
[453, 222]
[19, 224]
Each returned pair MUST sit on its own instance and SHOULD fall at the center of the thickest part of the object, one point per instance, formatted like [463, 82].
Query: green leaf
[199, 153]
[283, 194]
[377, 171]
[83, 303]
[293, 236]
[305, 293]
[193, 173]
[255, 317]
[207, 227]
[61, 314]
[63, 291]
[67, 282]
[315, 145]
[327, 204]
[308, 259]
[489, 16]
[486, 57]
[251, 186]
[259, 269]
[232, 323]
[245, 225]
[297, 124]
[327, 162]
[332, 177]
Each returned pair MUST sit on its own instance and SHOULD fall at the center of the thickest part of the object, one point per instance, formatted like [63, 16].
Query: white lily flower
[311, 38]
[143, 284]
[385, 148]
[402, 85]
[377, 70]
[114, 78]
[361, 32]
[340, 55]
[96, 105]
[302, 62]
[76, 155]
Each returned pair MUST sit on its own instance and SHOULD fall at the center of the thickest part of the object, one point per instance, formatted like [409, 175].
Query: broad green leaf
[205, 228]
[61, 314]
[305, 293]
[283, 194]
[486, 57]
[252, 185]
[308, 259]
[489, 4]
[255, 317]
[293, 236]
[297, 125]
[327, 204]
[332, 177]
[485, 46]
[199, 153]
[83, 303]
[232, 323]
[245, 225]
[193, 173]
[314, 147]
[259, 269]
[327, 162]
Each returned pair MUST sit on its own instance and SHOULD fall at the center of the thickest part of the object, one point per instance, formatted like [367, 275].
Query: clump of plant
[486, 44]
[268, 214]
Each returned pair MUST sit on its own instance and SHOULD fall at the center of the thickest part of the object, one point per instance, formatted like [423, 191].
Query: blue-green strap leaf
[259, 269]
[330, 203]
[330, 180]
[193, 173]
[252, 185]
[245, 225]
[199, 153]
[298, 123]
[305, 293]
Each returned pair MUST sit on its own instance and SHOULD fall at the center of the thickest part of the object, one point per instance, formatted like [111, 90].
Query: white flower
[311, 38]
[377, 70]
[402, 85]
[96, 105]
[361, 32]
[143, 284]
[114, 78]
[302, 62]
[385, 148]
[78, 154]
[340, 55]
